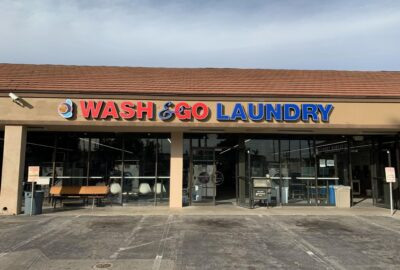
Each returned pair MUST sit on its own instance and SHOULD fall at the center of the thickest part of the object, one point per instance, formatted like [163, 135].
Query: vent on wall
[36, 128]
[378, 132]
[206, 130]
[295, 130]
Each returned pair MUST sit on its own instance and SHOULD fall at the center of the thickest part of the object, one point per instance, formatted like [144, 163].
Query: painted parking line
[161, 246]
[315, 253]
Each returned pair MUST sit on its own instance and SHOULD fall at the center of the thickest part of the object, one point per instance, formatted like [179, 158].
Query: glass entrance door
[332, 168]
[243, 175]
[202, 187]
[360, 170]
[211, 169]
[384, 155]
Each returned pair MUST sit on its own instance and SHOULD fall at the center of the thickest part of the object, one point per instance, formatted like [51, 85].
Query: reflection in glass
[298, 171]
[263, 155]
[146, 169]
[72, 159]
[332, 164]
[39, 152]
[384, 155]
[361, 157]
[134, 166]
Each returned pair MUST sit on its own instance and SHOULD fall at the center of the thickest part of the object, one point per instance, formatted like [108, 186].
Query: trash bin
[332, 200]
[336, 192]
[277, 194]
[285, 195]
[342, 196]
[37, 202]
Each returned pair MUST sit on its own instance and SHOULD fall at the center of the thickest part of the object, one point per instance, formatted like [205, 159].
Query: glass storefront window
[71, 163]
[384, 155]
[133, 165]
[298, 171]
[332, 166]
[263, 155]
[360, 160]
[105, 158]
[146, 174]
[40, 152]
[303, 169]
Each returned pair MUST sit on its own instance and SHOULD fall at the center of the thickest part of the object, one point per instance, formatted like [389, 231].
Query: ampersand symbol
[166, 113]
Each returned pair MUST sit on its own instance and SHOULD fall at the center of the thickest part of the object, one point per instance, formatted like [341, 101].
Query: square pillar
[176, 170]
[13, 170]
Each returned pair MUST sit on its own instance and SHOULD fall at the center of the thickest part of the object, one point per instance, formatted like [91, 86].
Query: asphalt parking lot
[199, 242]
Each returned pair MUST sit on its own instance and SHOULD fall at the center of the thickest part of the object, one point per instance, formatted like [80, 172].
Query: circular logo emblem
[66, 108]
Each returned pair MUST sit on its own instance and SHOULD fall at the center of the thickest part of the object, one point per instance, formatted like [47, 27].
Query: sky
[280, 34]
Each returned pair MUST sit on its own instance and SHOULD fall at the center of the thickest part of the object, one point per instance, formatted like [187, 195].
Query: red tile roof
[197, 81]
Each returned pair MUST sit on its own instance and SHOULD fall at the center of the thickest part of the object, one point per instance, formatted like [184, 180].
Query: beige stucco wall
[176, 175]
[13, 169]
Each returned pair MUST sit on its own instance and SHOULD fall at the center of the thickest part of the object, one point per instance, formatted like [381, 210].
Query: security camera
[16, 99]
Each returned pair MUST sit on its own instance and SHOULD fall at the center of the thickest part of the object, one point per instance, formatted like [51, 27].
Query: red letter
[148, 109]
[91, 109]
[128, 110]
[109, 110]
[182, 111]
[200, 111]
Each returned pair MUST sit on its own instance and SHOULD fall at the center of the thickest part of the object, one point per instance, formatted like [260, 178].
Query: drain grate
[102, 265]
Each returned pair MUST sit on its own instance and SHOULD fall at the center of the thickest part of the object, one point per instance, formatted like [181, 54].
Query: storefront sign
[390, 174]
[109, 109]
[43, 181]
[33, 173]
[199, 111]
[278, 112]
[260, 193]
[66, 109]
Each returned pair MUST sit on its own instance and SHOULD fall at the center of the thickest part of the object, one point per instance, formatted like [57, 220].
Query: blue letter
[308, 110]
[273, 113]
[325, 111]
[238, 112]
[167, 114]
[253, 115]
[220, 113]
[288, 109]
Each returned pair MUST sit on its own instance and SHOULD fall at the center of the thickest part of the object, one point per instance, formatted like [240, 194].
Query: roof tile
[197, 81]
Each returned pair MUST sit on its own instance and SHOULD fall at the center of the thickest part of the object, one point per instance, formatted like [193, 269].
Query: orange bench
[84, 192]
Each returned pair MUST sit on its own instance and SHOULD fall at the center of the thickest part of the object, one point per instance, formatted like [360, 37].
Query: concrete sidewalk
[221, 210]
